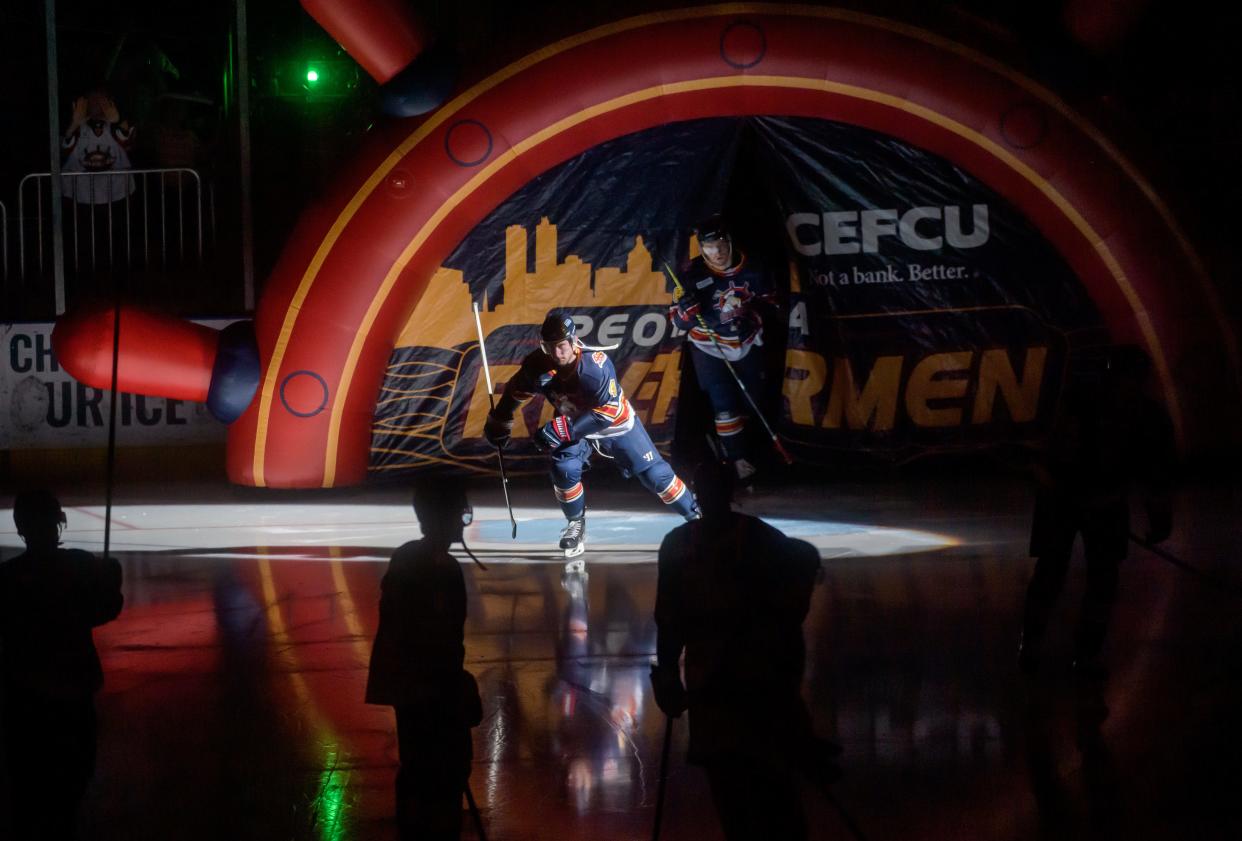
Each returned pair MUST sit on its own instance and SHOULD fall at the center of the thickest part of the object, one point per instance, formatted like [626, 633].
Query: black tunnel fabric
[920, 311]
[925, 312]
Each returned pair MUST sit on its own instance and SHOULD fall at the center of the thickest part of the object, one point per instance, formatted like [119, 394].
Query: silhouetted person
[1053, 799]
[1108, 435]
[416, 667]
[50, 599]
[732, 593]
[1105, 816]
[1084, 804]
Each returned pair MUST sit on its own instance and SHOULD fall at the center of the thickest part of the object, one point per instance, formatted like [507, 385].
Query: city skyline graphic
[435, 363]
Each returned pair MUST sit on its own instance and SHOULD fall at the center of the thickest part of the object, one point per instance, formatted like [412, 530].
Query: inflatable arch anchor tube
[393, 45]
[358, 262]
[162, 356]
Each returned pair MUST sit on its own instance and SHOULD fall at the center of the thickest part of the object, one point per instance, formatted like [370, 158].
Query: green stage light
[312, 75]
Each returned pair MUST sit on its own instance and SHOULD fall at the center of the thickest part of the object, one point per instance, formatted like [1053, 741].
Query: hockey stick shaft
[776, 441]
[474, 812]
[111, 468]
[846, 818]
[491, 401]
[1170, 558]
[662, 783]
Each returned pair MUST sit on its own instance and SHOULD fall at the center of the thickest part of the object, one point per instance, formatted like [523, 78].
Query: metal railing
[124, 209]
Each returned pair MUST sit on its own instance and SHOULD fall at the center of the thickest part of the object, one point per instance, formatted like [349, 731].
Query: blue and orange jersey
[587, 392]
[725, 301]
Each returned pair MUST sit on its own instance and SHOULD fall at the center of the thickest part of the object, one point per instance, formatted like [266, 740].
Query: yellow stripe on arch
[721, 83]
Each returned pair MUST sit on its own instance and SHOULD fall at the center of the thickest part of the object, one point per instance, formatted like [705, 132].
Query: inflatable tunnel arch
[359, 263]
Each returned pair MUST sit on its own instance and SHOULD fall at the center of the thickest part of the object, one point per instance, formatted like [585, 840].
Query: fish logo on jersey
[729, 301]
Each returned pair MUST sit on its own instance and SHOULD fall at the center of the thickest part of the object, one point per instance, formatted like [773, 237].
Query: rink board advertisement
[920, 311]
[44, 408]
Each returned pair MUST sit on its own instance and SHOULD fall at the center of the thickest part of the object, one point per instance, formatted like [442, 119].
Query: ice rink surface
[233, 699]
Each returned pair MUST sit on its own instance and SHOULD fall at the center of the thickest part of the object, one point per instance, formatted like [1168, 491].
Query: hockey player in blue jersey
[722, 287]
[591, 410]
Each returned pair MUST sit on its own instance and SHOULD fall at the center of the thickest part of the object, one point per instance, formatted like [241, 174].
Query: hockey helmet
[712, 228]
[556, 328]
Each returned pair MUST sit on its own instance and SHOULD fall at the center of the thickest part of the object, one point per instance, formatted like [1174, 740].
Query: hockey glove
[497, 431]
[689, 308]
[554, 434]
[670, 695]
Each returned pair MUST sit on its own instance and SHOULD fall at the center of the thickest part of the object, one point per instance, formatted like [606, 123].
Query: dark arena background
[243, 246]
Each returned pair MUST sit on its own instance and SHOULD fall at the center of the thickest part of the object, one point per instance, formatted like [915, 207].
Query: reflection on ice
[368, 532]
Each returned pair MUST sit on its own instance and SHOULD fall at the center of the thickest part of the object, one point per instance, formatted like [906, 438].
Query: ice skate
[573, 543]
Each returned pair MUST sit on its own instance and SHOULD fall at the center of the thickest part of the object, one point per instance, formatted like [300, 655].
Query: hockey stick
[1169, 557]
[491, 401]
[111, 469]
[776, 442]
[663, 779]
[850, 824]
[474, 812]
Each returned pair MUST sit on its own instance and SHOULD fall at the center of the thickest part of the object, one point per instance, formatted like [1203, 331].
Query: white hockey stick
[491, 400]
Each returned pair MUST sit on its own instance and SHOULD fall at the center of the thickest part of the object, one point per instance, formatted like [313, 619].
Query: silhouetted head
[713, 487]
[39, 518]
[442, 509]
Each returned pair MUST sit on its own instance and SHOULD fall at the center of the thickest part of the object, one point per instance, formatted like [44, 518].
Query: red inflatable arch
[359, 262]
